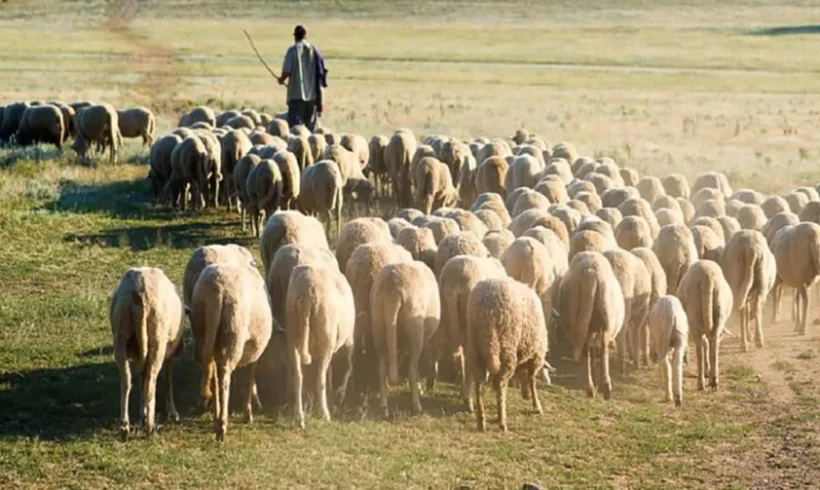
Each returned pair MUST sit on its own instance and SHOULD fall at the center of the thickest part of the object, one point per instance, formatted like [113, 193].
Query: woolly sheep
[137, 122]
[797, 201]
[656, 273]
[613, 198]
[240, 178]
[404, 302]
[776, 223]
[231, 306]
[567, 215]
[675, 249]
[630, 176]
[376, 163]
[441, 227]
[712, 208]
[433, 185]
[461, 243]
[610, 215]
[590, 199]
[358, 145]
[633, 232]
[198, 114]
[420, 243]
[596, 224]
[552, 189]
[566, 151]
[666, 216]
[493, 202]
[578, 186]
[707, 299]
[160, 162]
[810, 192]
[466, 184]
[490, 219]
[557, 249]
[496, 241]
[774, 205]
[687, 209]
[669, 332]
[528, 261]
[96, 124]
[397, 156]
[811, 212]
[712, 180]
[321, 192]
[750, 269]
[601, 182]
[358, 232]
[730, 226]
[225, 116]
[285, 227]
[264, 189]
[189, 162]
[320, 321]
[529, 199]
[523, 172]
[665, 202]
[559, 167]
[235, 145]
[750, 217]
[636, 286]
[506, 332]
[455, 154]
[467, 221]
[748, 196]
[713, 224]
[587, 241]
[490, 176]
[636, 206]
[708, 244]
[396, 225]
[536, 217]
[146, 318]
[797, 254]
[650, 188]
[706, 194]
[580, 207]
[41, 124]
[213, 149]
[591, 314]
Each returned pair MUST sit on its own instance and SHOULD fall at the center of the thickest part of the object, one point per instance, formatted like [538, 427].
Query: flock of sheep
[505, 253]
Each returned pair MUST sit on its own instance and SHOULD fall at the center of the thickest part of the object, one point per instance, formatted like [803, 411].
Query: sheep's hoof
[152, 432]
[173, 416]
[468, 404]
[481, 426]
[744, 348]
[431, 384]
[590, 392]
[503, 426]
[713, 384]
[124, 432]
[759, 344]
[220, 430]
[678, 402]
[247, 417]
[701, 385]
[300, 424]
[606, 391]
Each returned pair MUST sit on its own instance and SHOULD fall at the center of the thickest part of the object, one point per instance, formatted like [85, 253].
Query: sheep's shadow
[787, 30]
[181, 236]
[124, 199]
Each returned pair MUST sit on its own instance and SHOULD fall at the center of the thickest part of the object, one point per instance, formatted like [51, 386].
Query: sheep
[467, 221]
[10, 122]
[650, 188]
[317, 144]
[590, 199]
[188, 169]
[559, 167]
[96, 124]
[797, 201]
[669, 332]
[441, 227]
[146, 325]
[711, 223]
[461, 243]
[137, 122]
[466, 180]
[300, 147]
[523, 172]
[214, 164]
[536, 217]
[160, 162]
[358, 232]
[409, 214]
[774, 205]
[234, 146]
[198, 114]
[358, 145]
[41, 124]
[490, 219]
[376, 163]
[68, 119]
[567, 215]
[240, 177]
[321, 192]
[656, 273]
[668, 216]
[397, 224]
[494, 148]
[528, 261]
[404, 302]
[490, 176]
[613, 198]
[730, 226]
[601, 182]
[239, 122]
[291, 178]
[354, 181]
[637, 206]
[587, 241]
[578, 186]
[552, 189]
[433, 185]
[750, 217]
[811, 212]
[506, 332]
[264, 189]
[420, 243]
[231, 306]
[286, 259]
[610, 215]
[633, 232]
[636, 286]
[712, 180]
[665, 202]
[594, 223]
[708, 244]
[630, 176]
[557, 249]
[320, 320]
[750, 269]
[252, 115]
[707, 299]
[776, 222]
[566, 151]
[687, 209]
[706, 194]
[422, 151]
[183, 132]
[810, 192]
[397, 158]
[580, 207]
[201, 258]
[675, 249]
[530, 199]
[279, 127]
[496, 241]
[797, 256]
[286, 227]
[591, 312]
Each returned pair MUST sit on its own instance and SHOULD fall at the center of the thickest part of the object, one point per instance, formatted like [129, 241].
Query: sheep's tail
[424, 190]
[495, 352]
[580, 319]
[140, 318]
[677, 369]
[391, 327]
[751, 267]
[212, 317]
[707, 302]
[303, 337]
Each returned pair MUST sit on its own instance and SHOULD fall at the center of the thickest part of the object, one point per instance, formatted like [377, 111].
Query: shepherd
[305, 67]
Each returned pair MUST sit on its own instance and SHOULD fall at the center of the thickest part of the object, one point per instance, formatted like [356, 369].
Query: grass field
[660, 86]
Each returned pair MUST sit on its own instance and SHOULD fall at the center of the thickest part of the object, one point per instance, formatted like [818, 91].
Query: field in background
[657, 85]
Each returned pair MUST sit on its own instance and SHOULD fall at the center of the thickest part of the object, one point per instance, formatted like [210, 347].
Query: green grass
[658, 85]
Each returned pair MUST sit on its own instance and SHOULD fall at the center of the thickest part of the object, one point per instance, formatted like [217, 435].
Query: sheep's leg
[467, 380]
[223, 375]
[346, 352]
[500, 382]
[714, 348]
[481, 421]
[666, 375]
[777, 293]
[149, 390]
[168, 376]
[413, 374]
[804, 313]
[208, 390]
[242, 215]
[322, 387]
[677, 373]
[533, 374]
[758, 318]
[744, 333]
[588, 372]
[383, 384]
[248, 415]
[125, 389]
[296, 388]
[606, 381]
[701, 354]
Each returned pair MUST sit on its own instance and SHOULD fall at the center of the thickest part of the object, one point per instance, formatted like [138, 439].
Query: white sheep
[669, 331]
